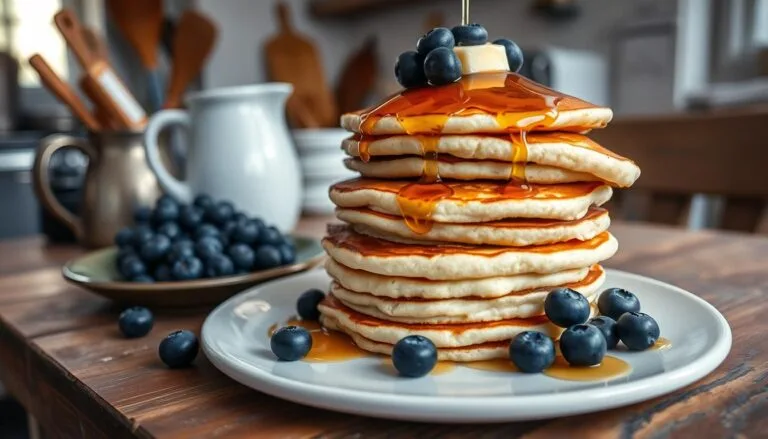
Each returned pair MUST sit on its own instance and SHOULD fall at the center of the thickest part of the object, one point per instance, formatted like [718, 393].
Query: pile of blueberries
[583, 343]
[435, 63]
[205, 239]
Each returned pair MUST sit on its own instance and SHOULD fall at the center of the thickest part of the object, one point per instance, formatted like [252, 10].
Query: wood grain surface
[62, 357]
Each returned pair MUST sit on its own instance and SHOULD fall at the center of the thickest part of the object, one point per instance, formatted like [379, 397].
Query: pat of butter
[485, 58]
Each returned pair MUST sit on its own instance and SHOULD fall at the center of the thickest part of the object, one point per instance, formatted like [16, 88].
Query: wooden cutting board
[292, 58]
[358, 77]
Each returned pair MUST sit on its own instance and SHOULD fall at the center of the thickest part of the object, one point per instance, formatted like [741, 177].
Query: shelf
[348, 8]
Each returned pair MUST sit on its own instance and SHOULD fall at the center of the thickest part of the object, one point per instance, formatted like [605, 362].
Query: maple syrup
[610, 368]
[661, 344]
[327, 345]
[495, 365]
[441, 368]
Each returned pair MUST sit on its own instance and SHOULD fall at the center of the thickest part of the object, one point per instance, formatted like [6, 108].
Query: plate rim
[508, 407]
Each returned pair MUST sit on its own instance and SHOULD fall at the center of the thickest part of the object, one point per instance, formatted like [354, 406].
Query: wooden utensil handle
[101, 109]
[73, 33]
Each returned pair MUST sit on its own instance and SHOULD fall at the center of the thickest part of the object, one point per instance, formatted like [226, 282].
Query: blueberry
[246, 232]
[166, 209]
[514, 53]
[163, 273]
[291, 343]
[532, 351]
[124, 237]
[221, 212]
[614, 302]
[181, 249]
[414, 356]
[136, 322]
[206, 229]
[287, 253]
[142, 214]
[638, 331]
[409, 70]
[437, 37]
[178, 349]
[271, 236]
[124, 253]
[169, 229]
[219, 265]
[608, 327]
[141, 234]
[155, 249]
[566, 307]
[583, 345]
[190, 217]
[442, 66]
[203, 201]
[132, 267]
[242, 256]
[470, 35]
[306, 306]
[267, 256]
[143, 279]
[208, 246]
[239, 217]
[187, 268]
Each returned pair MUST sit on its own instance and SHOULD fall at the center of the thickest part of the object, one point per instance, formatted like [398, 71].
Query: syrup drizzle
[327, 345]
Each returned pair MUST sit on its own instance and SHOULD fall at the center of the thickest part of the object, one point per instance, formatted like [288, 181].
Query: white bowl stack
[322, 165]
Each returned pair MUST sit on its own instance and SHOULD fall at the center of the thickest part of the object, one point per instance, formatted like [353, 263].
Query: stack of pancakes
[474, 203]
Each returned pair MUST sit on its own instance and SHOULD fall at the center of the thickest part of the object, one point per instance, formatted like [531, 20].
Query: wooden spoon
[193, 41]
[140, 22]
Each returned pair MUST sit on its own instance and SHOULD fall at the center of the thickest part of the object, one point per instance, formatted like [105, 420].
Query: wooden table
[62, 357]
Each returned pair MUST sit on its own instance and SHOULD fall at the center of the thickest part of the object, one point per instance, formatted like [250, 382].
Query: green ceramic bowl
[96, 271]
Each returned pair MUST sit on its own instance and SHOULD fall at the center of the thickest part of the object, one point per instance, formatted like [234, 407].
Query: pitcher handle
[48, 146]
[160, 120]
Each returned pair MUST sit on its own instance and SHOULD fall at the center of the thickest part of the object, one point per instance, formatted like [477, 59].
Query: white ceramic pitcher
[239, 150]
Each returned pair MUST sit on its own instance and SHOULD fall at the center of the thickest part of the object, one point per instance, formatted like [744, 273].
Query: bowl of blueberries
[190, 255]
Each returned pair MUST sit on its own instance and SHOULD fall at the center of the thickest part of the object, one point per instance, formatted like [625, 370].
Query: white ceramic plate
[235, 339]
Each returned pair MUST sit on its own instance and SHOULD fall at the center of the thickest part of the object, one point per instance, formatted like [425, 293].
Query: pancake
[485, 288]
[564, 151]
[495, 102]
[456, 261]
[476, 202]
[512, 232]
[516, 305]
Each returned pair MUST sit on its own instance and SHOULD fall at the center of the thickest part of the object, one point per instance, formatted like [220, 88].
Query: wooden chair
[720, 153]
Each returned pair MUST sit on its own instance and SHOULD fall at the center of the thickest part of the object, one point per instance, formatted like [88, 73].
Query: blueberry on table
[181, 249]
[208, 246]
[132, 266]
[267, 256]
[242, 256]
[247, 232]
[614, 302]
[514, 53]
[608, 327]
[142, 215]
[155, 249]
[566, 307]
[187, 268]
[437, 37]
[135, 322]
[532, 351]
[169, 229]
[124, 237]
[221, 212]
[141, 234]
[409, 70]
[470, 35]
[306, 306]
[583, 345]
[414, 356]
[291, 343]
[190, 217]
[166, 209]
[271, 236]
[219, 265]
[287, 253]
[637, 330]
[442, 66]
[203, 201]
[178, 349]
[206, 229]
[163, 273]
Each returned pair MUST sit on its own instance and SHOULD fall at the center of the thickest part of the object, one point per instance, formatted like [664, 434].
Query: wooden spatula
[192, 43]
[358, 77]
[140, 22]
[292, 58]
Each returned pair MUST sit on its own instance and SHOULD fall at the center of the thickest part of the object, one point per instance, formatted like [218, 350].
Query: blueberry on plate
[124, 237]
[566, 307]
[208, 246]
[206, 229]
[169, 229]
[414, 356]
[267, 256]
[155, 249]
[124, 253]
[178, 349]
[409, 70]
[142, 215]
[583, 345]
[221, 212]
[306, 306]
[470, 35]
[239, 217]
[190, 217]
[614, 302]
[247, 232]
[143, 279]
[514, 53]
[442, 66]
[163, 273]
[181, 249]
[242, 256]
[638, 331]
[136, 322]
[291, 343]
[132, 266]
[166, 209]
[141, 234]
[437, 37]
[271, 236]
[203, 201]
[532, 351]
[287, 253]
[219, 265]
[187, 268]
[607, 326]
